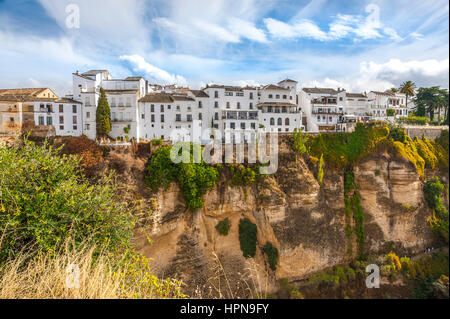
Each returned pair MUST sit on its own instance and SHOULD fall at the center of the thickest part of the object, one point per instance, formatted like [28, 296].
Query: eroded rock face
[304, 221]
[393, 203]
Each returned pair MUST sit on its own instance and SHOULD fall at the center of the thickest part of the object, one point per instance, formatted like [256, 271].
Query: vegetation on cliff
[272, 255]
[223, 227]
[247, 237]
[52, 217]
[433, 190]
[194, 179]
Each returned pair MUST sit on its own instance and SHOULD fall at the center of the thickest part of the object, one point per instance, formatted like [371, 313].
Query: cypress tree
[103, 115]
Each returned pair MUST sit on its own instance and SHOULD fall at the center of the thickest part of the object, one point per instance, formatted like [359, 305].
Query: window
[232, 125]
[162, 109]
[228, 105]
[330, 119]
[61, 108]
[61, 127]
[251, 95]
[49, 120]
[74, 120]
[286, 122]
[199, 104]
[61, 120]
[113, 102]
[200, 116]
[239, 93]
[279, 121]
[189, 117]
[253, 125]
[251, 106]
[270, 96]
[153, 118]
[269, 109]
[216, 94]
[284, 97]
[341, 98]
[277, 96]
[216, 104]
[162, 118]
[178, 117]
[87, 127]
[243, 126]
[75, 127]
[283, 109]
[88, 115]
[318, 118]
[216, 116]
[178, 107]
[152, 108]
[238, 105]
[228, 93]
[272, 121]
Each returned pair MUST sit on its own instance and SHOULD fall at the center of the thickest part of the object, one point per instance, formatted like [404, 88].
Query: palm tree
[408, 88]
[394, 90]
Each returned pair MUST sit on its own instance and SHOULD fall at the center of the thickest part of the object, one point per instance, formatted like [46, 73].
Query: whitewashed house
[380, 102]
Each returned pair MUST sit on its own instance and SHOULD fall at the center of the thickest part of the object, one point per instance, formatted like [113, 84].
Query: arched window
[272, 121]
[286, 121]
[280, 121]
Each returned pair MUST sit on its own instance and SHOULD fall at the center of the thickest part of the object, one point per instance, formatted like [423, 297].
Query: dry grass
[100, 277]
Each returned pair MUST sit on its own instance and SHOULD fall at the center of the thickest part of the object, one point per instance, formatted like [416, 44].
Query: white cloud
[343, 26]
[152, 71]
[247, 30]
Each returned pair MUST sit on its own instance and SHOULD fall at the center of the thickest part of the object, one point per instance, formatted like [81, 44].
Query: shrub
[88, 150]
[247, 237]
[243, 175]
[433, 195]
[418, 120]
[272, 255]
[223, 227]
[390, 112]
[398, 134]
[320, 171]
[44, 199]
[299, 140]
[194, 179]
[157, 142]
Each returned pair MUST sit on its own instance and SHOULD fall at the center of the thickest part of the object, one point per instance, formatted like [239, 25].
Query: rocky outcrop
[304, 220]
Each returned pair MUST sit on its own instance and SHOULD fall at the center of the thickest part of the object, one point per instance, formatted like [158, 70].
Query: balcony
[324, 101]
[327, 111]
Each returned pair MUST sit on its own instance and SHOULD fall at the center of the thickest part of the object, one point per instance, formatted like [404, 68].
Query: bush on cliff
[44, 199]
[272, 255]
[433, 190]
[194, 179]
[247, 237]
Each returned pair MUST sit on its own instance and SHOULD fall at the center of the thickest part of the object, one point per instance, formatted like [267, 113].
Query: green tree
[408, 88]
[103, 115]
[247, 237]
[427, 100]
[299, 141]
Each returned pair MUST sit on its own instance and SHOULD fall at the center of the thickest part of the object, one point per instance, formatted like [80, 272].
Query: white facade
[122, 95]
[380, 102]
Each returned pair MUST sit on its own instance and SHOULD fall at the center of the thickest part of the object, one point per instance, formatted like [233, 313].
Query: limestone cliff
[304, 220]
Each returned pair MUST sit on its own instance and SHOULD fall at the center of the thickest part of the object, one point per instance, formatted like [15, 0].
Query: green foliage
[299, 141]
[223, 227]
[194, 179]
[433, 190]
[333, 277]
[320, 171]
[103, 115]
[272, 255]
[414, 120]
[243, 176]
[345, 149]
[358, 216]
[157, 142]
[390, 112]
[126, 130]
[398, 134]
[44, 200]
[247, 237]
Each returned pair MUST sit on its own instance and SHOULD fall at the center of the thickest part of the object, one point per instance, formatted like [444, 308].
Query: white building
[323, 108]
[122, 95]
[381, 102]
[279, 107]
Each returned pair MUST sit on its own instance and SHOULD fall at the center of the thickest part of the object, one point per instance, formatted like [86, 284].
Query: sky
[357, 45]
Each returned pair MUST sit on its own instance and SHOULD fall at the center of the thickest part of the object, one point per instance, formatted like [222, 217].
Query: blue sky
[359, 45]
